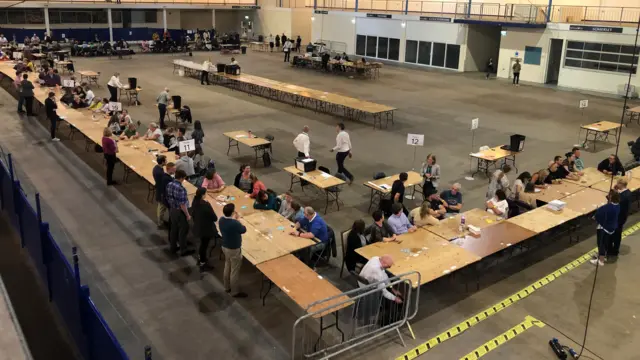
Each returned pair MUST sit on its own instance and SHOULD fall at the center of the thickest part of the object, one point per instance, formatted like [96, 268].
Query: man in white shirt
[287, 50]
[302, 142]
[343, 147]
[154, 133]
[113, 85]
[205, 72]
[234, 62]
[3, 40]
[89, 96]
[499, 205]
[374, 271]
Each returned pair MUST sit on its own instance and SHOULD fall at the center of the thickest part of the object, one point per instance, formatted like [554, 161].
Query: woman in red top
[109, 148]
[257, 186]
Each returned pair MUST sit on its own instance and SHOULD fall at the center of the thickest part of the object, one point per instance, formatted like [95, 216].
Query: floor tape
[474, 320]
[482, 350]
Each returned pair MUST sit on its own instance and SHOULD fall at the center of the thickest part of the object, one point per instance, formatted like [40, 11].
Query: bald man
[374, 271]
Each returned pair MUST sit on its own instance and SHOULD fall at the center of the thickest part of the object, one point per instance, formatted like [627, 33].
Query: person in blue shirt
[314, 227]
[266, 200]
[398, 221]
[607, 219]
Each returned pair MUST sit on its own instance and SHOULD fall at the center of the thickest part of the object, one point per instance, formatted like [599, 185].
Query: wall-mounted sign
[324, 12]
[245, 7]
[607, 29]
[435, 18]
[383, 16]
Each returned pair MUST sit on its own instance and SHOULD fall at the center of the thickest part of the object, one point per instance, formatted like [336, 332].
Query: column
[164, 18]
[213, 19]
[47, 28]
[469, 10]
[110, 21]
[549, 10]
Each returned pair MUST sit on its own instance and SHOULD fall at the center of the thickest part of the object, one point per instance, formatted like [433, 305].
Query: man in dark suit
[625, 203]
[50, 107]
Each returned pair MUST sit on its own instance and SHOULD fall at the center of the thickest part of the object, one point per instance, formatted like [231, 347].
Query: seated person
[89, 96]
[611, 166]
[130, 132]
[564, 170]
[212, 181]
[539, 179]
[556, 173]
[452, 200]
[256, 185]
[234, 62]
[266, 200]
[185, 163]
[499, 205]
[113, 125]
[124, 118]
[154, 133]
[398, 221]
[297, 213]
[355, 240]
[285, 205]
[380, 229]
[67, 97]
[78, 103]
[569, 164]
[78, 90]
[145, 46]
[635, 149]
[170, 140]
[52, 78]
[425, 215]
[97, 105]
[314, 227]
[527, 196]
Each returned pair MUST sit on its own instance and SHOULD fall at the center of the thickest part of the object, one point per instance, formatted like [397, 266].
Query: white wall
[273, 21]
[335, 26]
[447, 33]
[582, 79]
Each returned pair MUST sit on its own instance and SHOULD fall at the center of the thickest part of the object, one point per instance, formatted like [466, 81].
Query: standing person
[284, 38]
[287, 50]
[204, 76]
[302, 142]
[231, 230]
[50, 108]
[489, 69]
[516, 72]
[607, 219]
[178, 214]
[204, 226]
[113, 85]
[159, 178]
[163, 100]
[17, 82]
[277, 41]
[197, 135]
[343, 148]
[271, 42]
[109, 149]
[625, 204]
[499, 180]
[298, 43]
[431, 173]
[26, 92]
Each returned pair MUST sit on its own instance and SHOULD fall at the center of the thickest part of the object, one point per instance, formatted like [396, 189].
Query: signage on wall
[383, 16]
[245, 7]
[323, 12]
[607, 29]
[435, 18]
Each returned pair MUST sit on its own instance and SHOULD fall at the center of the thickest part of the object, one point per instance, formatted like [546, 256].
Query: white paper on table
[241, 136]
[326, 176]
[537, 190]
[475, 154]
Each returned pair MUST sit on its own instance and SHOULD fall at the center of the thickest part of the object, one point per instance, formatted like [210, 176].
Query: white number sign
[475, 123]
[115, 106]
[187, 145]
[584, 104]
[415, 139]
[68, 83]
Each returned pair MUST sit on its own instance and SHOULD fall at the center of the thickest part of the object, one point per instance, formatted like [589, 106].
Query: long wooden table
[449, 228]
[323, 181]
[320, 101]
[368, 69]
[556, 191]
[232, 195]
[542, 219]
[489, 158]
[382, 186]
[258, 144]
[591, 176]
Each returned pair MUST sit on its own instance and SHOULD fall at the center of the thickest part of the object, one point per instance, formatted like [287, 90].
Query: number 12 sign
[415, 139]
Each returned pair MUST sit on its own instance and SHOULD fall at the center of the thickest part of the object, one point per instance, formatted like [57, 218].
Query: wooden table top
[303, 285]
[270, 222]
[633, 184]
[243, 137]
[494, 238]
[231, 194]
[585, 200]
[316, 177]
[557, 191]
[449, 228]
[635, 109]
[601, 126]
[384, 185]
[421, 251]
[542, 219]
[591, 176]
[493, 154]
[63, 63]
[87, 73]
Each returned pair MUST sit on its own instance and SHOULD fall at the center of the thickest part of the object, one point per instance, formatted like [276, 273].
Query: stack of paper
[557, 205]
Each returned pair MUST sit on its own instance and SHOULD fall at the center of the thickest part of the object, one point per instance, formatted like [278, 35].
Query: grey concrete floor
[152, 299]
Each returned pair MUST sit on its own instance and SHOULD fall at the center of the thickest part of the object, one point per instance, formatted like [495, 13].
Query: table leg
[371, 200]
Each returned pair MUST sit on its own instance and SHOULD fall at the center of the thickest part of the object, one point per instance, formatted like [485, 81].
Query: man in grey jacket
[26, 91]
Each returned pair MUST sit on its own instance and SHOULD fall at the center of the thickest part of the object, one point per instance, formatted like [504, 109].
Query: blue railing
[86, 326]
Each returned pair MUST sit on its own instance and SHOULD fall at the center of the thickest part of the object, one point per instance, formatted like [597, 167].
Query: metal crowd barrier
[90, 333]
[361, 315]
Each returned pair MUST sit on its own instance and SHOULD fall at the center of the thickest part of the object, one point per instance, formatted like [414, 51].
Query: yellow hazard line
[482, 350]
[483, 315]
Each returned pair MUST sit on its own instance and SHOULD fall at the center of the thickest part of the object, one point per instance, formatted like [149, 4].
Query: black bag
[98, 148]
[266, 159]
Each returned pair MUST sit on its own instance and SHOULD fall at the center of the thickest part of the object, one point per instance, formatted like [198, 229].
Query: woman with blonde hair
[423, 215]
[109, 149]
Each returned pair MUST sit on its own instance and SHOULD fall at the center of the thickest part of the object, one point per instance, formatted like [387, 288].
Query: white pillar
[110, 21]
[164, 18]
[213, 18]
[47, 27]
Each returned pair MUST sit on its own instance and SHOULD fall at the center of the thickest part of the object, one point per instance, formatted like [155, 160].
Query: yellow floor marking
[482, 350]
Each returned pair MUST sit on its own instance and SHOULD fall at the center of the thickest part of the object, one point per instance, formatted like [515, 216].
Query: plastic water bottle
[462, 223]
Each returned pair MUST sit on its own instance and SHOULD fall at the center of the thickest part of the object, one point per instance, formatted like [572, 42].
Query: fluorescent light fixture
[353, 20]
